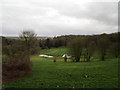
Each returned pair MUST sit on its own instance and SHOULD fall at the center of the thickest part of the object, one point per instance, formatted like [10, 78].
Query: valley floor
[47, 74]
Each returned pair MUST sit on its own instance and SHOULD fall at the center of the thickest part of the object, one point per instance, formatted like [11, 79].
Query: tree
[10, 47]
[103, 45]
[29, 41]
[48, 42]
[115, 50]
[76, 48]
[20, 51]
[89, 48]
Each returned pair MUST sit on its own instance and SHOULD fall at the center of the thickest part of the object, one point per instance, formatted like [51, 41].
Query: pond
[42, 55]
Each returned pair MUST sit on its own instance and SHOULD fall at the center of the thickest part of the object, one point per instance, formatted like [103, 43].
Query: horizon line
[59, 35]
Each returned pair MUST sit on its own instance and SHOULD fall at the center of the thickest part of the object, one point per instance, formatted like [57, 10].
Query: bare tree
[115, 49]
[76, 47]
[29, 40]
[89, 47]
[103, 45]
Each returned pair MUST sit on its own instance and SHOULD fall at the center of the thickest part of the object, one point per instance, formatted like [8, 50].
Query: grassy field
[47, 74]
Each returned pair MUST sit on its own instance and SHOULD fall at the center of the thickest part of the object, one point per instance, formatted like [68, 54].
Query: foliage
[29, 41]
[103, 46]
[19, 52]
[60, 41]
[91, 43]
[115, 50]
[16, 68]
[76, 48]
[26, 43]
[89, 48]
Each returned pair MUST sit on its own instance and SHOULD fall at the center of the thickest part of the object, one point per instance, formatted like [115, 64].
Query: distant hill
[39, 38]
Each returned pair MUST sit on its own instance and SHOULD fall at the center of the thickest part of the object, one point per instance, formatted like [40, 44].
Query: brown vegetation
[16, 68]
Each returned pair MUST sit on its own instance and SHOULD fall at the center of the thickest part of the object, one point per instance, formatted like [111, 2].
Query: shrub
[18, 67]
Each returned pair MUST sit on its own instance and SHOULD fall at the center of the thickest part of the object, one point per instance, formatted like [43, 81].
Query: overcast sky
[58, 17]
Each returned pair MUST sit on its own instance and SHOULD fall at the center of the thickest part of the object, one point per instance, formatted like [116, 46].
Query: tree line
[86, 45]
[79, 45]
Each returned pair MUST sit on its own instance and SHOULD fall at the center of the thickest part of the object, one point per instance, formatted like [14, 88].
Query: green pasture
[60, 74]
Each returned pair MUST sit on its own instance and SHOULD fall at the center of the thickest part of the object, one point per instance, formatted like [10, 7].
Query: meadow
[60, 74]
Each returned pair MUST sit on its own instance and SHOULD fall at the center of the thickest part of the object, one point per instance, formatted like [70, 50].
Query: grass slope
[54, 51]
[47, 74]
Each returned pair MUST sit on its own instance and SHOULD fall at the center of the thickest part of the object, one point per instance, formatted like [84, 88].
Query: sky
[58, 17]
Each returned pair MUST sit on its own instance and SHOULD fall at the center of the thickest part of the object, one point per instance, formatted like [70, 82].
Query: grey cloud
[105, 12]
[56, 17]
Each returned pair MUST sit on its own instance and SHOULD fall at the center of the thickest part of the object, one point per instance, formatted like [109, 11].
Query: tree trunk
[103, 55]
[116, 56]
[77, 59]
[103, 58]
[88, 58]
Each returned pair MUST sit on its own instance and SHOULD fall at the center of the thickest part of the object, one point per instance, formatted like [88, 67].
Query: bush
[20, 66]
